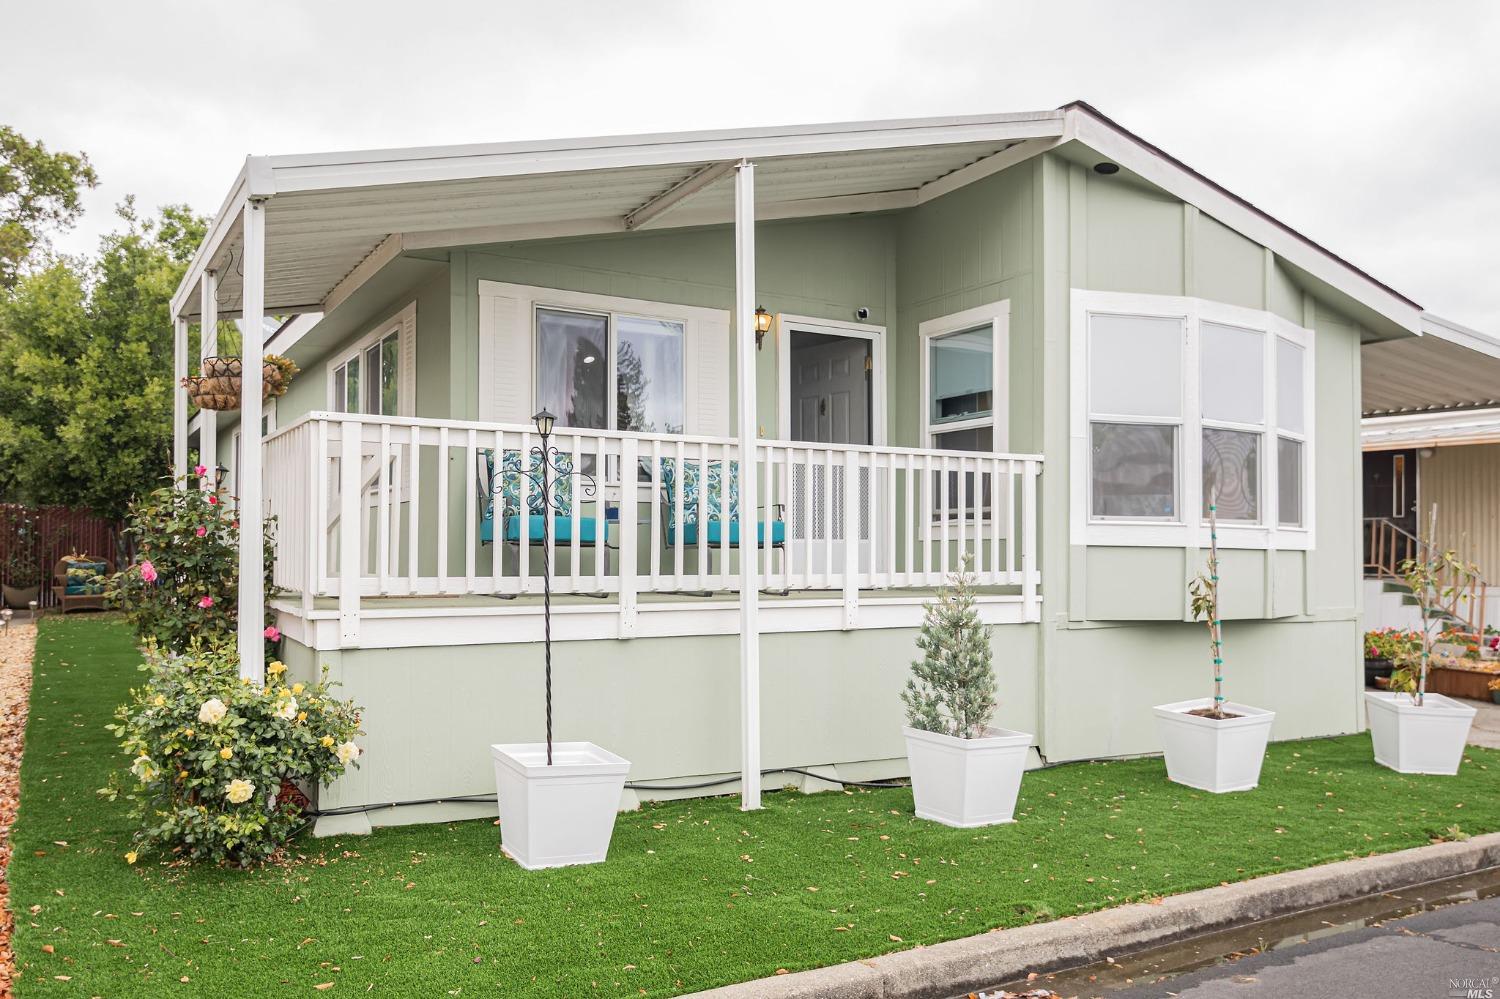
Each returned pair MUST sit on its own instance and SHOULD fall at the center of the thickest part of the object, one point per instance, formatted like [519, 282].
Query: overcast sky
[1372, 127]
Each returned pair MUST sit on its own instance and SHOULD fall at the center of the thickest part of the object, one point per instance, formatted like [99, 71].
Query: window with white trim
[964, 364]
[374, 375]
[610, 370]
[1179, 403]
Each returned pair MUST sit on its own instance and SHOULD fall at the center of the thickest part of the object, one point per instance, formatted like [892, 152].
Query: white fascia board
[223, 223]
[291, 331]
[442, 163]
[1130, 152]
[1463, 336]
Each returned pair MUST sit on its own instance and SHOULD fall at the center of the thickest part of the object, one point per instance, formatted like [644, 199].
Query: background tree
[39, 192]
[86, 368]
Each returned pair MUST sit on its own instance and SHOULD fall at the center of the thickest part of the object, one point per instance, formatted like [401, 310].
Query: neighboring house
[1431, 438]
[1035, 338]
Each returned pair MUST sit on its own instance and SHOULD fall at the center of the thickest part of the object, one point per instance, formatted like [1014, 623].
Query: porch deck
[382, 518]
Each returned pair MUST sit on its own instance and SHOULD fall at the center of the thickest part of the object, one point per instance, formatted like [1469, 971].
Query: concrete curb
[972, 963]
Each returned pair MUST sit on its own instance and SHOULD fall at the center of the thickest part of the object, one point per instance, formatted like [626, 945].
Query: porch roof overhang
[1449, 367]
[333, 219]
[1424, 430]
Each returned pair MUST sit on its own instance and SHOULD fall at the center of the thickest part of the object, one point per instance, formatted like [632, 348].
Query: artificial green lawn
[695, 894]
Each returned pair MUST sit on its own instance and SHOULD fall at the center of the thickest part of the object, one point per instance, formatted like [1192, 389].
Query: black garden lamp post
[544, 421]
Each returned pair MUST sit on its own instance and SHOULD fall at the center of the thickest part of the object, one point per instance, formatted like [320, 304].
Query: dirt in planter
[17, 644]
[1213, 713]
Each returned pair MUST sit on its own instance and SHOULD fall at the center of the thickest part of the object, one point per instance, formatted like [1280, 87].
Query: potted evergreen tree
[1212, 743]
[963, 772]
[1415, 731]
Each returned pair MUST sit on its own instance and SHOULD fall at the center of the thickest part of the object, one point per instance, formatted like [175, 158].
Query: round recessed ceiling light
[589, 359]
[1106, 168]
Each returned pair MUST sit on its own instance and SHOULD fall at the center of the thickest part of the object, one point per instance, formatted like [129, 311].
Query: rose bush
[184, 586]
[209, 753]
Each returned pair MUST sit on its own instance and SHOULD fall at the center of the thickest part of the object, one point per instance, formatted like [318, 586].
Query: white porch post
[179, 400]
[252, 526]
[208, 345]
[744, 325]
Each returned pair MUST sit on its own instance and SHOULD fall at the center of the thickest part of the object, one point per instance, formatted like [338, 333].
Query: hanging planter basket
[218, 386]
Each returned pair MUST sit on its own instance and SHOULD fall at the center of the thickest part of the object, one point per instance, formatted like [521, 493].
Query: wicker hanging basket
[218, 387]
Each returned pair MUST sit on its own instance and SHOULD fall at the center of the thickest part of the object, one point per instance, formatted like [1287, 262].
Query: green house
[1034, 341]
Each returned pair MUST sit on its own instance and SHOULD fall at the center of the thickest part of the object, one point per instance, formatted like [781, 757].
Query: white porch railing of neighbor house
[383, 506]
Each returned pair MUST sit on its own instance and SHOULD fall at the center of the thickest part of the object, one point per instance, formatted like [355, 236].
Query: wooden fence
[62, 531]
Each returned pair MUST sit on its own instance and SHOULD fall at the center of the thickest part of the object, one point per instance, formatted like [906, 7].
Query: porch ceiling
[326, 214]
[1449, 367]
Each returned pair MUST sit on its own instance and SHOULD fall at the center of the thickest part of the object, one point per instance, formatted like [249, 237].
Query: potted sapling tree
[963, 772]
[1212, 743]
[1415, 731]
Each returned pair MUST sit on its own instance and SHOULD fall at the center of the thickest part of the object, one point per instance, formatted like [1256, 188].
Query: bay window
[1179, 403]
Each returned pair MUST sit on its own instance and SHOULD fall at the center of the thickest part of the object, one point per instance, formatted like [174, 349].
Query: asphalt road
[1415, 957]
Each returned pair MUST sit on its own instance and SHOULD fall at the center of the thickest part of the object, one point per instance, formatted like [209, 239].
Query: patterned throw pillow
[561, 481]
[85, 578]
[713, 499]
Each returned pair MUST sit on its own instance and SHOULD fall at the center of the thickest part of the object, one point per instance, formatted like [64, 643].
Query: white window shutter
[505, 374]
[406, 395]
[708, 405]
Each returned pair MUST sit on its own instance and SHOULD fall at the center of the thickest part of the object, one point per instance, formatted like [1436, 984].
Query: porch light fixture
[762, 325]
[544, 421]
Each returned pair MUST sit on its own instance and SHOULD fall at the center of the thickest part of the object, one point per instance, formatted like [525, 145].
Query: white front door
[831, 401]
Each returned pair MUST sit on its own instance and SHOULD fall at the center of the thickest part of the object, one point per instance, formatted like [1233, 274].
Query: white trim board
[395, 627]
[829, 327]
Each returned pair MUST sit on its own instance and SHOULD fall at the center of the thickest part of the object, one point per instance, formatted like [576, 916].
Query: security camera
[861, 313]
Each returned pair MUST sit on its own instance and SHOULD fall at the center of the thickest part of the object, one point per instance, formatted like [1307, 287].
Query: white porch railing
[380, 506]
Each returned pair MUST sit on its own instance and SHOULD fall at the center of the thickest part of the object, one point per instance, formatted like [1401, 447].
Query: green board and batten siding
[1114, 639]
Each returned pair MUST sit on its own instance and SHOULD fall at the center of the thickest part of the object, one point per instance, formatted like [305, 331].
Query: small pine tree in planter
[1414, 730]
[1211, 743]
[963, 772]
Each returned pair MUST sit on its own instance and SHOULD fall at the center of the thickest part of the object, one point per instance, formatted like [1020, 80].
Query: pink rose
[148, 571]
[201, 531]
[213, 501]
[272, 633]
[200, 471]
[205, 602]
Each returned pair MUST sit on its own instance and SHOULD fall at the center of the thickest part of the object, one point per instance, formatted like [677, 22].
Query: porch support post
[208, 346]
[252, 612]
[749, 513]
[179, 400]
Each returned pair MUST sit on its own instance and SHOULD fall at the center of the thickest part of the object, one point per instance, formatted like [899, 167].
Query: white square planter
[1413, 740]
[553, 816]
[1214, 755]
[966, 782]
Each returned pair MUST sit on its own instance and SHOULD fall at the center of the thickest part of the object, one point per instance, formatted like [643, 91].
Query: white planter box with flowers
[963, 773]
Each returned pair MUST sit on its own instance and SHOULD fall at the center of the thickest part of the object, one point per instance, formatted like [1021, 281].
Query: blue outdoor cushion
[716, 533]
[85, 579]
[562, 530]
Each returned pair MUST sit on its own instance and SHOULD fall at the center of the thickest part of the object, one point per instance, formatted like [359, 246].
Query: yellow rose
[226, 753]
[182, 775]
[326, 742]
[302, 716]
[160, 701]
[130, 857]
[276, 668]
[296, 688]
[238, 791]
[188, 733]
